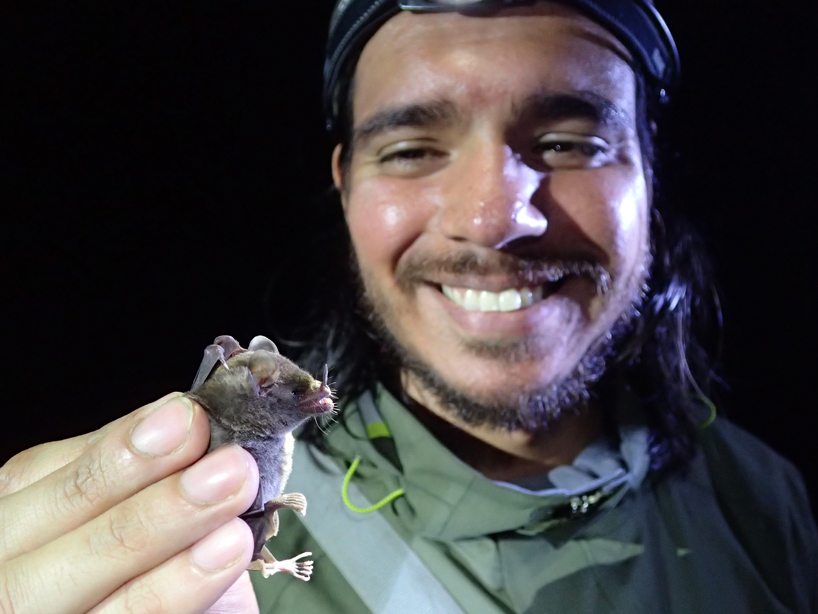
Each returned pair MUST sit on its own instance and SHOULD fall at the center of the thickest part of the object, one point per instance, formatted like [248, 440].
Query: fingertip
[229, 546]
[158, 402]
[199, 427]
[252, 465]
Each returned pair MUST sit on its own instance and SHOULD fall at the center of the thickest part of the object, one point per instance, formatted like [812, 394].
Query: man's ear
[338, 174]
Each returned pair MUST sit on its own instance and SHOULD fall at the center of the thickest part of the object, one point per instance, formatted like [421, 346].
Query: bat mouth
[318, 402]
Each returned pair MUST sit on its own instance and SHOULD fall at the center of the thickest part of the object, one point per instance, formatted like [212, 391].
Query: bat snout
[318, 399]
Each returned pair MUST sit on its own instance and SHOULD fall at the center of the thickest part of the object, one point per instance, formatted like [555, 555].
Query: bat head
[259, 391]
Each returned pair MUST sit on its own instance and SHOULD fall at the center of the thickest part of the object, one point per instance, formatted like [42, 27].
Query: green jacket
[735, 534]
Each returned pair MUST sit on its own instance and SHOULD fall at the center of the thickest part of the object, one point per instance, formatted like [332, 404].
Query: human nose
[489, 202]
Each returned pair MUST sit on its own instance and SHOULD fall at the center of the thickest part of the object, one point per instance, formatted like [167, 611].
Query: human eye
[410, 159]
[563, 150]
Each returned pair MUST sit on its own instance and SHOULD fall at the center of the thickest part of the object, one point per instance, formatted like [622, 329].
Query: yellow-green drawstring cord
[712, 407]
[364, 510]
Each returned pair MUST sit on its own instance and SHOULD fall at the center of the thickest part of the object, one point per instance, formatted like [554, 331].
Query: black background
[159, 158]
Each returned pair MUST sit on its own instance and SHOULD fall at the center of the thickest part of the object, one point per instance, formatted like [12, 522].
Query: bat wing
[258, 522]
[213, 355]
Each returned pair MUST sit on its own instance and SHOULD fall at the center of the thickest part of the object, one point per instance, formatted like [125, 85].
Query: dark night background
[160, 159]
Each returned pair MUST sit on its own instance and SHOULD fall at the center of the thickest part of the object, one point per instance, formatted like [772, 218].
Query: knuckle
[127, 533]
[12, 473]
[33, 464]
[91, 481]
[141, 597]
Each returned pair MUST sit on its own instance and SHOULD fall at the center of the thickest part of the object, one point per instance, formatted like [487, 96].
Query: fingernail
[217, 476]
[222, 548]
[165, 429]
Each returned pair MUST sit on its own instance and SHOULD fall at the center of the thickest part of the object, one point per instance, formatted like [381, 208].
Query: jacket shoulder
[746, 470]
[763, 499]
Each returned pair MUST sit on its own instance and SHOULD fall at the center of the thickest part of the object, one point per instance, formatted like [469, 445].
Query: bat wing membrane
[213, 355]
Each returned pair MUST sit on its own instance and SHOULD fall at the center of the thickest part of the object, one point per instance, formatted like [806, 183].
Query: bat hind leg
[294, 501]
[272, 527]
[269, 565]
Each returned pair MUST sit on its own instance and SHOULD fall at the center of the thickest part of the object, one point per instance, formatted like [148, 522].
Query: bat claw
[213, 354]
[253, 383]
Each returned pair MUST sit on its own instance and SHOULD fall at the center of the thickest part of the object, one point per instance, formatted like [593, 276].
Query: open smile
[511, 299]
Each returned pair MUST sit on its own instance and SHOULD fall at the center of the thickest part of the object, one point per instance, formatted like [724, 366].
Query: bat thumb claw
[252, 381]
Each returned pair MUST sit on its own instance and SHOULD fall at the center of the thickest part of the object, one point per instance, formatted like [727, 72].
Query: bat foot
[294, 501]
[299, 569]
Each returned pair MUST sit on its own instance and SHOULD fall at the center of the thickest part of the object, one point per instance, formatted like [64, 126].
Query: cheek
[609, 206]
[384, 219]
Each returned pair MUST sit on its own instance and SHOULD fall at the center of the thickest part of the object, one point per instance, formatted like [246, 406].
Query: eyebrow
[419, 115]
[580, 104]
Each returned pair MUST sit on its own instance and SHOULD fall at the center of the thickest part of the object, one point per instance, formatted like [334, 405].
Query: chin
[523, 380]
[521, 396]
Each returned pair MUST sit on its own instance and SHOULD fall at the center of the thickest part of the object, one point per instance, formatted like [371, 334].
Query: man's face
[497, 202]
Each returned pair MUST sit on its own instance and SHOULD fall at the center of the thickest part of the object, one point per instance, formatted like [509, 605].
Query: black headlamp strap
[353, 23]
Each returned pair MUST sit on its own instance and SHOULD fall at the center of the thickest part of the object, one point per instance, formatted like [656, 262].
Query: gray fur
[258, 413]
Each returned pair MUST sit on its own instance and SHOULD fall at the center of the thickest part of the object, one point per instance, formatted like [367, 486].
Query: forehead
[490, 61]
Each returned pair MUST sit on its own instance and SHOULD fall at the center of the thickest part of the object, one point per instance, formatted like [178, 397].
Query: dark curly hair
[667, 357]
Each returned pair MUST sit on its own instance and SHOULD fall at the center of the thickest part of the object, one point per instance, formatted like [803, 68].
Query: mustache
[524, 271]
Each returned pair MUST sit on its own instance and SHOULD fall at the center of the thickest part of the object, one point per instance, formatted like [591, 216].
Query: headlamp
[636, 23]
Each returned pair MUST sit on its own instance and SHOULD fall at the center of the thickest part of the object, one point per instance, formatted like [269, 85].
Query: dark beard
[531, 410]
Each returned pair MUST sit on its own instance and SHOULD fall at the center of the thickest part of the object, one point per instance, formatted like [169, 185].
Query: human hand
[129, 518]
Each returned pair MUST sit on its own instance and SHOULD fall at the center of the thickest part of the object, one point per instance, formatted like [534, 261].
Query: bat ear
[263, 367]
[262, 343]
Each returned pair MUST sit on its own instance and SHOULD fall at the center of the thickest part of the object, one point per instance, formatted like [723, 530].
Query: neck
[500, 454]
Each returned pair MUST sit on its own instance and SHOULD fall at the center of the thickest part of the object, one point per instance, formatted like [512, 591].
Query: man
[528, 440]
[495, 170]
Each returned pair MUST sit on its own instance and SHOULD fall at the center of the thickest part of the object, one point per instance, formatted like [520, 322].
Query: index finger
[110, 469]
[35, 463]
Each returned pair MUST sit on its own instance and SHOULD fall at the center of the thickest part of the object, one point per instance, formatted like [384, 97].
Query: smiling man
[517, 334]
[529, 430]
[497, 205]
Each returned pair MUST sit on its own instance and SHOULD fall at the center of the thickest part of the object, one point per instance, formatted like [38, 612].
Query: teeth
[489, 301]
[471, 300]
[483, 300]
[510, 300]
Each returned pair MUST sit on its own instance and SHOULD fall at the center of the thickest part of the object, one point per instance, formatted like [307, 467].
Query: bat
[255, 398]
